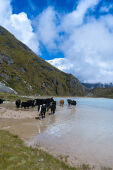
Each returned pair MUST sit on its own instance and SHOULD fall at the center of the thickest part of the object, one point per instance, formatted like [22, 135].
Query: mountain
[97, 85]
[26, 73]
[99, 89]
[101, 92]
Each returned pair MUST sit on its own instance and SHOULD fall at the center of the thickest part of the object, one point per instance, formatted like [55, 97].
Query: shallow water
[83, 133]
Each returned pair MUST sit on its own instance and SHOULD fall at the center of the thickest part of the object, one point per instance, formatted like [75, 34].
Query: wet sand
[21, 122]
[81, 134]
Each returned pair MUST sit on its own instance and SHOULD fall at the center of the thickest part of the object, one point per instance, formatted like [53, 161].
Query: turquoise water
[92, 102]
[83, 132]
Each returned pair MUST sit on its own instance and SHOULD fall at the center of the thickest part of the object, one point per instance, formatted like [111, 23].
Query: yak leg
[38, 108]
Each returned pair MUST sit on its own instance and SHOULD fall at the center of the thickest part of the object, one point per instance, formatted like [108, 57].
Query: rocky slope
[27, 73]
[101, 92]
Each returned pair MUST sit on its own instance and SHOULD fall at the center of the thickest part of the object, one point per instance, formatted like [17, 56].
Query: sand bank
[17, 114]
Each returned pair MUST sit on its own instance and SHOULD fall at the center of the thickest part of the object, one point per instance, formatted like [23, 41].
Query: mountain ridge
[97, 85]
[27, 73]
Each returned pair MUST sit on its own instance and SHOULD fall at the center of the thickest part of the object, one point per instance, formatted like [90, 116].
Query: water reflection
[84, 132]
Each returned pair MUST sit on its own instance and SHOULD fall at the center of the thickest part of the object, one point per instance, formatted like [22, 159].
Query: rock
[22, 70]
[7, 59]
[4, 75]
[5, 89]
[41, 160]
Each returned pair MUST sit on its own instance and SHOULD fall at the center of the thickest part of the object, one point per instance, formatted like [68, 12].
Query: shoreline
[14, 97]
[23, 157]
[17, 114]
[22, 122]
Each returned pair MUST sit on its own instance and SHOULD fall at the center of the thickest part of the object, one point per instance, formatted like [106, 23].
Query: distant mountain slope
[26, 73]
[102, 92]
[97, 85]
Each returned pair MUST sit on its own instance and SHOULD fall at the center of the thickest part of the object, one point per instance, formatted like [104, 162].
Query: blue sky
[76, 36]
[35, 7]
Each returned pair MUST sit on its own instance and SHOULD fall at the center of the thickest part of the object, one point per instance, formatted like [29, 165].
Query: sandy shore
[21, 122]
[17, 114]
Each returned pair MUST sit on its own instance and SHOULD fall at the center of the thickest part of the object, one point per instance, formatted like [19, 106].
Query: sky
[75, 36]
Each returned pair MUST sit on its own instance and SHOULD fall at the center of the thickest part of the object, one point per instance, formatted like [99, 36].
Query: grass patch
[106, 168]
[15, 156]
[12, 97]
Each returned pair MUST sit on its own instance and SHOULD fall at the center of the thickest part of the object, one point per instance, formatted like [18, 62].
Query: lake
[82, 133]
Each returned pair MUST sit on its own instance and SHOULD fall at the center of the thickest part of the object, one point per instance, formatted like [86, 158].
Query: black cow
[38, 107]
[38, 102]
[1, 101]
[18, 103]
[71, 102]
[28, 103]
[43, 101]
[52, 106]
[31, 103]
[43, 111]
[25, 104]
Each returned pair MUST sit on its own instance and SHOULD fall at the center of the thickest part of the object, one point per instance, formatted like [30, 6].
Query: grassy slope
[15, 156]
[103, 92]
[27, 69]
[13, 97]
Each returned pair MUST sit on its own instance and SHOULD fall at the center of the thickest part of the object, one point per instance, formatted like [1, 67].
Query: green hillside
[102, 92]
[27, 73]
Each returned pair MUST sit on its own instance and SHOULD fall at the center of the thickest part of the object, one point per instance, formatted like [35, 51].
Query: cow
[38, 108]
[18, 103]
[38, 102]
[43, 101]
[43, 111]
[61, 102]
[31, 103]
[1, 101]
[52, 106]
[28, 103]
[25, 104]
[71, 102]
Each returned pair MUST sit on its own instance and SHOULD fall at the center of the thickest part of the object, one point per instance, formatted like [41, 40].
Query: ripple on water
[84, 132]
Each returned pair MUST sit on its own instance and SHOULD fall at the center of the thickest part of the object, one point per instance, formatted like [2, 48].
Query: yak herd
[43, 105]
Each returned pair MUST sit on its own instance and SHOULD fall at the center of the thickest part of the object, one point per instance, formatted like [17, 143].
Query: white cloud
[5, 11]
[89, 52]
[19, 25]
[87, 47]
[90, 49]
[71, 20]
[47, 29]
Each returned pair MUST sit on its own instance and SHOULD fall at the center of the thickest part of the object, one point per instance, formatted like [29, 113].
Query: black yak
[1, 101]
[18, 103]
[71, 102]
